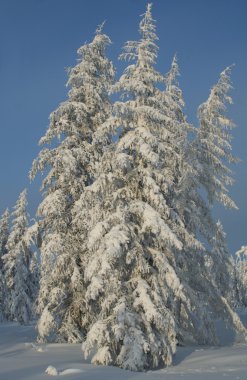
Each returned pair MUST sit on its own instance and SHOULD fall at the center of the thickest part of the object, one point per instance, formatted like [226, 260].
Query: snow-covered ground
[21, 358]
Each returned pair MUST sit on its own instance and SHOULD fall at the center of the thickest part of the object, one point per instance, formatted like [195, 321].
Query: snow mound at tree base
[52, 371]
[20, 361]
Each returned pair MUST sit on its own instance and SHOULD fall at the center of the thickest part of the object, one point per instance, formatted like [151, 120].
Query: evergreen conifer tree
[191, 213]
[187, 200]
[142, 294]
[241, 277]
[213, 142]
[195, 221]
[69, 166]
[212, 148]
[222, 266]
[129, 278]
[32, 239]
[122, 216]
[16, 266]
[4, 233]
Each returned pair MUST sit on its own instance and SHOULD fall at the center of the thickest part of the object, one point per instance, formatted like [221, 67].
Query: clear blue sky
[39, 39]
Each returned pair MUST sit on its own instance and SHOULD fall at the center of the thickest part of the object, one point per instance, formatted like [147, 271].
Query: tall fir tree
[69, 168]
[194, 221]
[196, 215]
[32, 239]
[141, 294]
[122, 214]
[220, 263]
[4, 234]
[16, 266]
[213, 156]
[187, 200]
[190, 211]
[130, 279]
[240, 277]
[213, 142]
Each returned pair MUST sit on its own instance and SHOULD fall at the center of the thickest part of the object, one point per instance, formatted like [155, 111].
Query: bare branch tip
[100, 28]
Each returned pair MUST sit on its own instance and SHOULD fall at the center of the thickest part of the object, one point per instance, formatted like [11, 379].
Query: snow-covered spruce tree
[130, 276]
[213, 142]
[213, 153]
[193, 262]
[241, 277]
[4, 233]
[220, 264]
[16, 266]
[194, 322]
[136, 296]
[187, 200]
[32, 240]
[69, 167]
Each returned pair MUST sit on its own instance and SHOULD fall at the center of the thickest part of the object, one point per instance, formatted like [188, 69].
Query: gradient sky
[39, 39]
